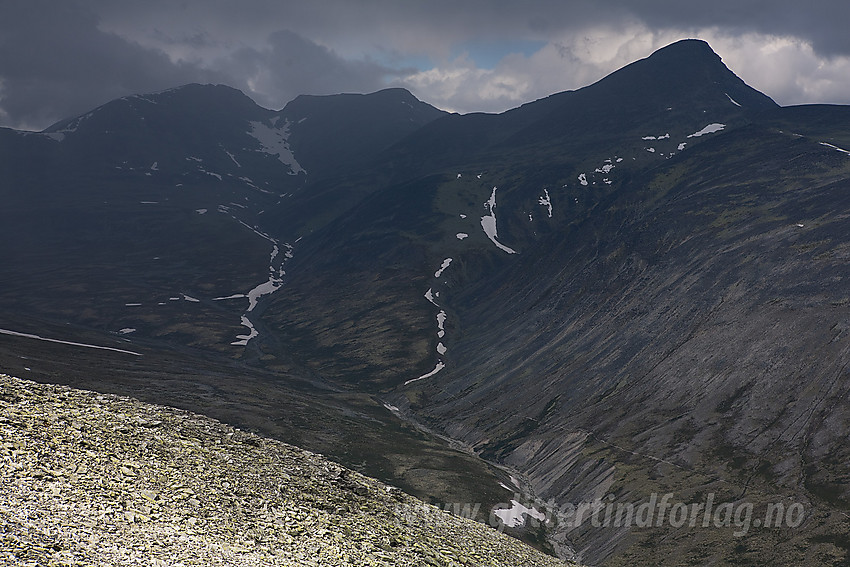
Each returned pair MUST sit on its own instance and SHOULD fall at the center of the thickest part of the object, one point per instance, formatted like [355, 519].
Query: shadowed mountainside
[635, 288]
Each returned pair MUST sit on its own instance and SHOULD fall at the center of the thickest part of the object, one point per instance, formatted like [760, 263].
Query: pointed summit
[210, 103]
[678, 86]
[688, 50]
[685, 72]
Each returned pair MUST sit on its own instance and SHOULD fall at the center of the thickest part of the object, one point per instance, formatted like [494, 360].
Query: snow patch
[126, 331]
[443, 267]
[582, 178]
[835, 148]
[441, 323]
[461, 235]
[488, 223]
[216, 175]
[265, 288]
[546, 201]
[232, 157]
[274, 141]
[242, 340]
[513, 516]
[429, 295]
[439, 366]
[72, 126]
[732, 100]
[710, 129]
[45, 339]
[271, 285]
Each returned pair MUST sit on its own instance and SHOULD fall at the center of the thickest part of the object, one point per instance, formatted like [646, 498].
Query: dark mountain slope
[341, 140]
[688, 337]
[344, 130]
[638, 340]
[135, 226]
[675, 91]
[633, 288]
[402, 232]
[144, 195]
[673, 88]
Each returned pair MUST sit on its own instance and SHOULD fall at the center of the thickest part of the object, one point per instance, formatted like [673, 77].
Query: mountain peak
[678, 84]
[687, 71]
[178, 103]
[363, 124]
[690, 49]
[346, 101]
[205, 95]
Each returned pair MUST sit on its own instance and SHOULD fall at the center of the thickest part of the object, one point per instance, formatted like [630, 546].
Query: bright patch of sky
[487, 54]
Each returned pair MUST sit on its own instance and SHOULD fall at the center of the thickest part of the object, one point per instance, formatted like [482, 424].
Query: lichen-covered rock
[94, 479]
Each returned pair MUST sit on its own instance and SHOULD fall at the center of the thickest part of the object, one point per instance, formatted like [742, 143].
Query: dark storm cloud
[55, 62]
[821, 23]
[63, 57]
[291, 65]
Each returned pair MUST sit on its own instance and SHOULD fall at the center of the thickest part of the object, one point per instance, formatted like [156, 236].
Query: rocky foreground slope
[92, 479]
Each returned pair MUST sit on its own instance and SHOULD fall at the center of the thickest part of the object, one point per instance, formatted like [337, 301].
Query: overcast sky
[60, 58]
